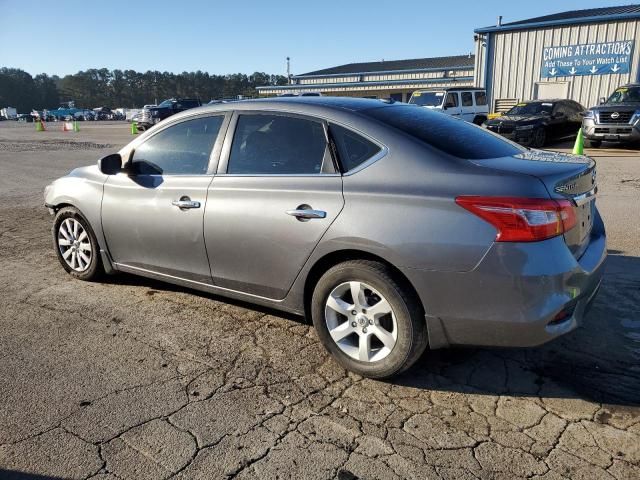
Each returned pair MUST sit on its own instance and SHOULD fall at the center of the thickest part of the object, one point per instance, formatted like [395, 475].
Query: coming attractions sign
[587, 59]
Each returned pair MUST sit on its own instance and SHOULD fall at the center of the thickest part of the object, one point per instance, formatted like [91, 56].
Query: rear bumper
[624, 132]
[511, 298]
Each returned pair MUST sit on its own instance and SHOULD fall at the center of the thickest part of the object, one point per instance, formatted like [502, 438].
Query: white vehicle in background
[9, 113]
[468, 103]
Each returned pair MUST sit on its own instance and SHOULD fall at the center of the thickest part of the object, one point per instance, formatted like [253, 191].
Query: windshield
[625, 95]
[427, 99]
[166, 103]
[536, 108]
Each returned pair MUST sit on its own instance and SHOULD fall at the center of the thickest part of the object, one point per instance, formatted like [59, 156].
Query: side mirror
[111, 164]
[602, 100]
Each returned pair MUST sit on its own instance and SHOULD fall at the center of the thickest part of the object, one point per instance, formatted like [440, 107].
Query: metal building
[582, 55]
[396, 79]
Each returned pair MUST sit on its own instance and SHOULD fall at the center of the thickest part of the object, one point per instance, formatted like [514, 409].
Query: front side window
[353, 149]
[452, 100]
[467, 99]
[181, 149]
[277, 145]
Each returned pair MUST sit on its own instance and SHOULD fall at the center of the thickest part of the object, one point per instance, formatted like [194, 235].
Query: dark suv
[616, 119]
[150, 116]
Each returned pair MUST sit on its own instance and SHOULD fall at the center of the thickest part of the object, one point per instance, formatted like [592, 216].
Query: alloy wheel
[74, 245]
[361, 321]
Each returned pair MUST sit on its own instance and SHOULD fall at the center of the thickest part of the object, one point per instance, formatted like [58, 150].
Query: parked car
[470, 104]
[25, 117]
[393, 227]
[616, 119]
[8, 113]
[536, 122]
[151, 116]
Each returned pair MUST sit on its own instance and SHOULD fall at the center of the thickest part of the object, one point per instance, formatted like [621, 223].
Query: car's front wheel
[539, 138]
[368, 318]
[76, 245]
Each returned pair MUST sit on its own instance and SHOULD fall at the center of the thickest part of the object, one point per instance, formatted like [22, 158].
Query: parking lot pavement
[131, 378]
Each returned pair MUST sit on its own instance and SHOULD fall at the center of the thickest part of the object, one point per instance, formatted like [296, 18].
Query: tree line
[122, 88]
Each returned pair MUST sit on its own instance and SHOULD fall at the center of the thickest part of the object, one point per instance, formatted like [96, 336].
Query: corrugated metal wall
[516, 60]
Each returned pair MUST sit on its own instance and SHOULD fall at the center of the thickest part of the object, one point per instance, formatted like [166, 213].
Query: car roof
[336, 103]
[547, 100]
[450, 89]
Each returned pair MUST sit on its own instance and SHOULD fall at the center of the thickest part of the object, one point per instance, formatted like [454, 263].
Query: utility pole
[289, 70]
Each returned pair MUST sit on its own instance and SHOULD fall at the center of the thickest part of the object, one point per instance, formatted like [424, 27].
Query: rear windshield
[450, 135]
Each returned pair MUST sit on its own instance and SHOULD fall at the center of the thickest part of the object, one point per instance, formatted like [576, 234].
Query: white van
[468, 103]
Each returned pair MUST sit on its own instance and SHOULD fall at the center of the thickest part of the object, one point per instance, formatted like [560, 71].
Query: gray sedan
[392, 227]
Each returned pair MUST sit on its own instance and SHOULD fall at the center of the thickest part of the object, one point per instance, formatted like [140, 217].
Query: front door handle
[185, 202]
[303, 214]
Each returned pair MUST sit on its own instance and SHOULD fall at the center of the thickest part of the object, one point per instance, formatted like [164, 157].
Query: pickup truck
[150, 116]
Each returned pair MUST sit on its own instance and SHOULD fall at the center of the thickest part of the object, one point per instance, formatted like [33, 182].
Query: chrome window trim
[216, 149]
[223, 163]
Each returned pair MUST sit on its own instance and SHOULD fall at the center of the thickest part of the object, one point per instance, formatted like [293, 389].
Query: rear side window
[182, 149]
[467, 99]
[450, 135]
[481, 98]
[277, 145]
[353, 149]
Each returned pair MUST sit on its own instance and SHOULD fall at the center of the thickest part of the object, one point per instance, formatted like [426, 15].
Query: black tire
[539, 138]
[595, 143]
[479, 120]
[95, 269]
[411, 326]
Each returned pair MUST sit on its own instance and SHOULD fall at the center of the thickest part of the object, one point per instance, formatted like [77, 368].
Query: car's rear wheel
[368, 318]
[539, 138]
[76, 245]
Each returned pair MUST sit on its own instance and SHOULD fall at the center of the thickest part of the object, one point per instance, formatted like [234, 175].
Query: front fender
[83, 189]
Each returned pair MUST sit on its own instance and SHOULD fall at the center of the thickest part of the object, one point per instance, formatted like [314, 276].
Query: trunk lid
[565, 176]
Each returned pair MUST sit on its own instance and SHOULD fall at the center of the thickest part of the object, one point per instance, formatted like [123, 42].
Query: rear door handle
[185, 202]
[306, 213]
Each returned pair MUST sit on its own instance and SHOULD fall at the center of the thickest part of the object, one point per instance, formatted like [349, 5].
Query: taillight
[522, 219]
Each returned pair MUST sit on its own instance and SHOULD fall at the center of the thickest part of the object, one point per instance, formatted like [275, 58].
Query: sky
[243, 36]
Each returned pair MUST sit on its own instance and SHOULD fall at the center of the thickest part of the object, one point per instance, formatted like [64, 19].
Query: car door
[276, 192]
[452, 104]
[152, 215]
[467, 110]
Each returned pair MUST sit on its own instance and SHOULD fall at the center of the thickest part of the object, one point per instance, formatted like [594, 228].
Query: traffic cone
[578, 148]
[134, 128]
[76, 128]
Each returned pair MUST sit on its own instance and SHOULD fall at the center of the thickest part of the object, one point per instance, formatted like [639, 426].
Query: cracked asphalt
[136, 379]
